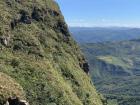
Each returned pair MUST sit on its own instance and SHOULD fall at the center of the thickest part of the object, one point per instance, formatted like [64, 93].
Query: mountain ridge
[104, 34]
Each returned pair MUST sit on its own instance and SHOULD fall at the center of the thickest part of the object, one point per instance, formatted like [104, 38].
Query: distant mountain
[115, 70]
[102, 34]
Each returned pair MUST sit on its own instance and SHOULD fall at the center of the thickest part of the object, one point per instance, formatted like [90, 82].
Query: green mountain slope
[115, 70]
[38, 58]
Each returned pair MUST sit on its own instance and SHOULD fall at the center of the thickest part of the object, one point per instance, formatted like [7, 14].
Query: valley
[115, 69]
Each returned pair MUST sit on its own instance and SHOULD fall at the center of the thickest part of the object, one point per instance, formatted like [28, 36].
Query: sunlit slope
[39, 55]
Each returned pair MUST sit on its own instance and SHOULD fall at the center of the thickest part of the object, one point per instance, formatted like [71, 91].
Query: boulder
[16, 101]
[86, 67]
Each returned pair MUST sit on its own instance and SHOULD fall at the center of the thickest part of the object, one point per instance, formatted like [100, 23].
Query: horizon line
[105, 26]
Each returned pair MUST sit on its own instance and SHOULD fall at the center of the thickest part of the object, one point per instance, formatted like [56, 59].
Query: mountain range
[115, 70]
[103, 34]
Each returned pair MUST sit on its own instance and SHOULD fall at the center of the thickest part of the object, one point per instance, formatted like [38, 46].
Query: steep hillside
[115, 70]
[39, 61]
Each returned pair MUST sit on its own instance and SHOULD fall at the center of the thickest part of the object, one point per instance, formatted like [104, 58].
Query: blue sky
[101, 12]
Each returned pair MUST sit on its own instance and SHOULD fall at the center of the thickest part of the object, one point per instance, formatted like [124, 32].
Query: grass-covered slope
[39, 61]
[115, 69]
[9, 87]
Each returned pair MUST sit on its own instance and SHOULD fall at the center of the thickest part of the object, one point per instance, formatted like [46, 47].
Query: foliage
[115, 70]
[42, 57]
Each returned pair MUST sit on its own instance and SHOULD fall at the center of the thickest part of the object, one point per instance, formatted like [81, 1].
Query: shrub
[15, 63]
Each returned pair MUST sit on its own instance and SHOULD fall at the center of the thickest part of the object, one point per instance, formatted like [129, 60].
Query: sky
[101, 13]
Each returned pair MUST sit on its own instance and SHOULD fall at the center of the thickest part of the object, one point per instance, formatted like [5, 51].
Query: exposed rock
[14, 23]
[9, 87]
[84, 65]
[25, 17]
[16, 101]
[53, 12]
[19, 1]
[9, 3]
[62, 27]
[4, 40]
[37, 14]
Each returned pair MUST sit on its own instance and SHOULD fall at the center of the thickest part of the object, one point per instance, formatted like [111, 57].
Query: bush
[15, 63]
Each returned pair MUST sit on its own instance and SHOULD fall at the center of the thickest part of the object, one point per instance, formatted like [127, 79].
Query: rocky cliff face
[39, 60]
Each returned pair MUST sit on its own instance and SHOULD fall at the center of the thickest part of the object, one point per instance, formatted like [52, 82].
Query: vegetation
[38, 57]
[9, 87]
[115, 61]
[115, 70]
